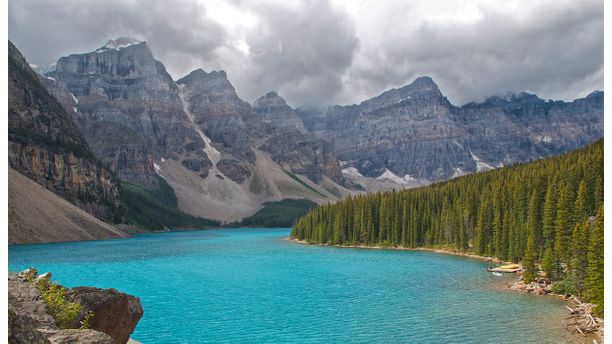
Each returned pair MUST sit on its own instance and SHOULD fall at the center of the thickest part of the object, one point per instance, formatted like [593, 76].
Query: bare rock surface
[115, 314]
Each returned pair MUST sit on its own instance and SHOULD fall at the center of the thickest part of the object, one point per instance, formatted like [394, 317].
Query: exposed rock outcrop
[115, 314]
[277, 129]
[72, 336]
[128, 108]
[46, 145]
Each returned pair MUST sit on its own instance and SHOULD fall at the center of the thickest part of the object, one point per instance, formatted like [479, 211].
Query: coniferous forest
[547, 214]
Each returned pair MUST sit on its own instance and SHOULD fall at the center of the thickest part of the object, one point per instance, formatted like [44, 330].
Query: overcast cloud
[322, 52]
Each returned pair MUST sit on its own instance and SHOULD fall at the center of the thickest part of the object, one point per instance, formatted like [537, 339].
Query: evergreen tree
[529, 260]
[595, 271]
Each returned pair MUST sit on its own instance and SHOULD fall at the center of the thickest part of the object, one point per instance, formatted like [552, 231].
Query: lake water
[252, 286]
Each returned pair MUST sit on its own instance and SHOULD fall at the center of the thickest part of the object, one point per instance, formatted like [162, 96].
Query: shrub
[563, 287]
[85, 322]
[63, 311]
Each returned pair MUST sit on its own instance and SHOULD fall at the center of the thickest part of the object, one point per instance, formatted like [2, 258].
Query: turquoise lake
[253, 286]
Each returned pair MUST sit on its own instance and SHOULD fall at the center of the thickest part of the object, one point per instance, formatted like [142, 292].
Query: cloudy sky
[322, 52]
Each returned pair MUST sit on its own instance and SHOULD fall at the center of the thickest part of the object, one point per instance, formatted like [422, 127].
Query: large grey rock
[75, 336]
[27, 303]
[22, 330]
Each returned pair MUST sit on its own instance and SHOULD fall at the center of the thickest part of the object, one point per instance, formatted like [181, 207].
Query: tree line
[546, 214]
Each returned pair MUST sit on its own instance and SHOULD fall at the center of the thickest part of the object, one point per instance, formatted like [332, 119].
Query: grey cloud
[178, 31]
[554, 53]
[301, 51]
[311, 52]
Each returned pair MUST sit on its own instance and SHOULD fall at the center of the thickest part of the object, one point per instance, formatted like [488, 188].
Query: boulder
[73, 336]
[27, 303]
[115, 313]
[22, 329]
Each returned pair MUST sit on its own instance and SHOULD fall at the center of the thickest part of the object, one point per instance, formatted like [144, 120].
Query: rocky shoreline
[41, 311]
[581, 320]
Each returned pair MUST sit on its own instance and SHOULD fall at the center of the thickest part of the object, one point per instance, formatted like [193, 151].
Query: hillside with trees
[546, 214]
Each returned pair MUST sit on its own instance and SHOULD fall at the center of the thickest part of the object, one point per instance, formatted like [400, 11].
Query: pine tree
[548, 264]
[595, 271]
[563, 228]
[529, 260]
[549, 215]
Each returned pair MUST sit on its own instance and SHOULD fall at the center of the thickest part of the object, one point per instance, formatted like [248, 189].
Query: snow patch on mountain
[390, 176]
[351, 171]
[481, 165]
[119, 43]
[543, 138]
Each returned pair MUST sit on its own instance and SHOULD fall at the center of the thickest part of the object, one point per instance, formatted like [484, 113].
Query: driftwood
[581, 319]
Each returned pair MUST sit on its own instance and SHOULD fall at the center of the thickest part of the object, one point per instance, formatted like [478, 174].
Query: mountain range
[224, 157]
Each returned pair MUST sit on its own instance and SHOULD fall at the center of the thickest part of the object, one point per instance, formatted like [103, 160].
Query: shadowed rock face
[129, 109]
[416, 131]
[46, 145]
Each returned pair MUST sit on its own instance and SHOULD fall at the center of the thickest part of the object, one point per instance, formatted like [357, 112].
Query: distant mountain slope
[414, 133]
[38, 215]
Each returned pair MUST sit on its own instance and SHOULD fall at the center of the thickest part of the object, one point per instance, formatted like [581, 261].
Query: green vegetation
[548, 211]
[157, 209]
[279, 214]
[54, 295]
[85, 323]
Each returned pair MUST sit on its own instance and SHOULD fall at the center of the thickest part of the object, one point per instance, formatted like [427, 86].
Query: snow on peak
[119, 43]
[390, 176]
[351, 171]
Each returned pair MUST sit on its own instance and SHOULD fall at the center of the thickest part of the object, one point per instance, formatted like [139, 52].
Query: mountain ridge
[223, 149]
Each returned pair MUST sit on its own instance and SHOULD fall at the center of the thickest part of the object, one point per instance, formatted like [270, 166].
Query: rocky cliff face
[276, 128]
[196, 133]
[46, 145]
[415, 134]
[128, 108]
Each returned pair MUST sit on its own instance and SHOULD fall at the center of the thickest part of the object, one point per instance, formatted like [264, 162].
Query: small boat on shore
[508, 268]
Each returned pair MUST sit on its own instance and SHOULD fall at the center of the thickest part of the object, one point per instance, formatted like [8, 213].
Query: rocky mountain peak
[122, 57]
[270, 99]
[425, 82]
[423, 88]
[119, 43]
[213, 82]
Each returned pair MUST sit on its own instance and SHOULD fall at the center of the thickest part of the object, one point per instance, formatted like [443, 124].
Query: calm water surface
[251, 286]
